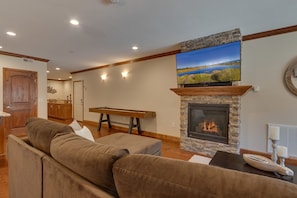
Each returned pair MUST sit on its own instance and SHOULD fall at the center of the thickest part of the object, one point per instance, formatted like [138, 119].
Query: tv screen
[211, 65]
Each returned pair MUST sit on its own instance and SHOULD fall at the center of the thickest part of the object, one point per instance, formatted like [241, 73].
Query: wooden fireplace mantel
[212, 91]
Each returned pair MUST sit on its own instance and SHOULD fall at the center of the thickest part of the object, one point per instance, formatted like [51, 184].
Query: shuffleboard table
[133, 114]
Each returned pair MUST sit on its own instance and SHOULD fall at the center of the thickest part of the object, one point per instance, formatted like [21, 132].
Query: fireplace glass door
[208, 122]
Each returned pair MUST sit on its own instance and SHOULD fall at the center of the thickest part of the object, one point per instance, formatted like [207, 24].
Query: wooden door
[19, 98]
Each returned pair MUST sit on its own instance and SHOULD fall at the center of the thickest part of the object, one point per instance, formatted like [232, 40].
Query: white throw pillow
[75, 125]
[85, 132]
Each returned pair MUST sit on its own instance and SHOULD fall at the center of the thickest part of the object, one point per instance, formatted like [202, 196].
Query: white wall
[39, 67]
[147, 88]
[63, 88]
[264, 62]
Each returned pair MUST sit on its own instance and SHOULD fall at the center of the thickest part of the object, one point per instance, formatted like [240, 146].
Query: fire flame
[210, 127]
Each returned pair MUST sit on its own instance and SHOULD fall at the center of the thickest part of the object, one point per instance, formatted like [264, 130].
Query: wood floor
[169, 149]
[3, 177]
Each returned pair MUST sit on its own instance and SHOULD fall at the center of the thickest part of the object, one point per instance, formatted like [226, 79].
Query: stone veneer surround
[202, 146]
[208, 147]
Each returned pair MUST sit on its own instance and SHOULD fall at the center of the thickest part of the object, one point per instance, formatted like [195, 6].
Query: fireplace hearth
[208, 122]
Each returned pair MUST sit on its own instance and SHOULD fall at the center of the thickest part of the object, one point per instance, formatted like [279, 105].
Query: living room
[147, 85]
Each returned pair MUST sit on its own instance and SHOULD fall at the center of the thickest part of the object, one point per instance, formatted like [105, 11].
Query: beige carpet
[200, 159]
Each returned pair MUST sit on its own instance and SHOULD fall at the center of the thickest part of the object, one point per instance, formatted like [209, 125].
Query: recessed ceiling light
[47, 71]
[11, 33]
[57, 68]
[74, 22]
[59, 78]
[70, 77]
[1, 47]
[135, 47]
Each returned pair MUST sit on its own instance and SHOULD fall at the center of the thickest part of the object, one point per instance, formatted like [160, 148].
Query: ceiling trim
[121, 63]
[90, 69]
[157, 56]
[23, 56]
[58, 80]
[270, 33]
[130, 61]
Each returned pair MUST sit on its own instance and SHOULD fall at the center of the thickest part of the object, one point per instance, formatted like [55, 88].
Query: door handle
[7, 107]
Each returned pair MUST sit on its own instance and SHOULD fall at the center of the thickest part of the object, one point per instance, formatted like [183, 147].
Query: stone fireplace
[223, 96]
[204, 136]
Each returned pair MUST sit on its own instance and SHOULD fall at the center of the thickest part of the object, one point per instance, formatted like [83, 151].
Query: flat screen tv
[216, 65]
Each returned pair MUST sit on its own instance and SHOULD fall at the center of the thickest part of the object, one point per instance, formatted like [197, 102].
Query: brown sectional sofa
[53, 162]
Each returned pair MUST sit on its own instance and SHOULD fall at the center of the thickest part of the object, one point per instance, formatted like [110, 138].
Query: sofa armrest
[59, 181]
[25, 169]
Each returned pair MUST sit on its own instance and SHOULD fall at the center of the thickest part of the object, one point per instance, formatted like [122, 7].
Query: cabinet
[60, 111]
[2, 131]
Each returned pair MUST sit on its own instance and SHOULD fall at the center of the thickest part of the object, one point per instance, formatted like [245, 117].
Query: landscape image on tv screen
[209, 65]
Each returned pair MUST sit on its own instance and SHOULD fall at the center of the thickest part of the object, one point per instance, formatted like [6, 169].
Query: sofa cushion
[136, 144]
[141, 175]
[88, 159]
[41, 132]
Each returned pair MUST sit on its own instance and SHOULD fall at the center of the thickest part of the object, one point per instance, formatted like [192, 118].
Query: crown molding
[23, 56]
[270, 33]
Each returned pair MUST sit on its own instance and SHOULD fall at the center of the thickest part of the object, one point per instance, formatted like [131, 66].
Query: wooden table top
[236, 162]
[124, 112]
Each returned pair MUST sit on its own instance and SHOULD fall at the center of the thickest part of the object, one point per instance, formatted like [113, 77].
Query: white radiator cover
[288, 138]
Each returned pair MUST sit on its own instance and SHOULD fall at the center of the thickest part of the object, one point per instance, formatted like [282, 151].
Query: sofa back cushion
[141, 175]
[91, 160]
[41, 132]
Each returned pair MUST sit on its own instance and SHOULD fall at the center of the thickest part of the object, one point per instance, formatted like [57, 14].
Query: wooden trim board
[212, 91]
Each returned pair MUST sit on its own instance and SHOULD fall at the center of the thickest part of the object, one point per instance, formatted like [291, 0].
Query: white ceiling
[108, 31]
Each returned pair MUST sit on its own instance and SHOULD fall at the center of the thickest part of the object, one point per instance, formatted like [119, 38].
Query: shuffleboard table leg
[131, 124]
[108, 121]
[138, 126]
[100, 121]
